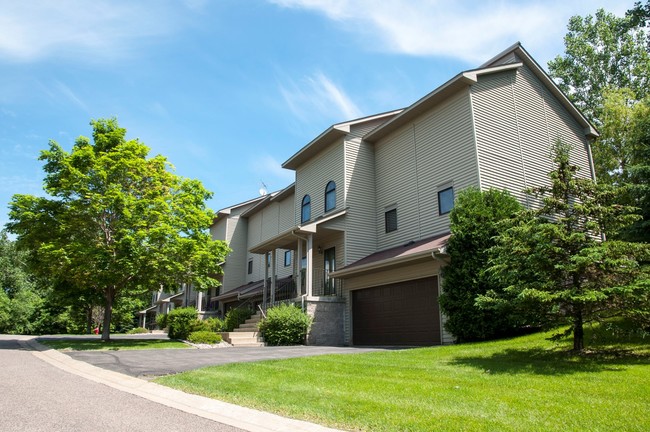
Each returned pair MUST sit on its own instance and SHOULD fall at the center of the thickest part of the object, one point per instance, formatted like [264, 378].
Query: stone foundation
[327, 324]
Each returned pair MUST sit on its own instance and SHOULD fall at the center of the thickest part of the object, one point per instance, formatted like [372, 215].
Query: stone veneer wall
[327, 324]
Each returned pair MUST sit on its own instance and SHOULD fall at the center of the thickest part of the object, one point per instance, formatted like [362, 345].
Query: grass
[113, 344]
[520, 384]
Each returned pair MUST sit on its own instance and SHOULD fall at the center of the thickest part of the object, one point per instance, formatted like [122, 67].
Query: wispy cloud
[468, 30]
[317, 95]
[87, 31]
[70, 95]
[270, 170]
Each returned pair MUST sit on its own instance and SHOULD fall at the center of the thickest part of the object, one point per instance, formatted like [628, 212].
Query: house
[359, 238]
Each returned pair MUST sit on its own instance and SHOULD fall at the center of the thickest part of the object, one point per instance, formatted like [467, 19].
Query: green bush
[181, 322]
[285, 325]
[161, 320]
[236, 317]
[137, 330]
[215, 324]
[204, 337]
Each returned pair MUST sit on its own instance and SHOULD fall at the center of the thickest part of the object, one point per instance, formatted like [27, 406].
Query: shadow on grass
[540, 361]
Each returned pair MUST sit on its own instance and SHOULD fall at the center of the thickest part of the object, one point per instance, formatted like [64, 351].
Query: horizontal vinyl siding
[445, 154]
[517, 121]
[413, 162]
[360, 221]
[313, 176]
[497, 134]
[396, 181]
[287, 214]
[235, 267]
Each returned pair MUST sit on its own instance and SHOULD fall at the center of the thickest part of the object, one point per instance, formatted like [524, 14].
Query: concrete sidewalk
[222, 412]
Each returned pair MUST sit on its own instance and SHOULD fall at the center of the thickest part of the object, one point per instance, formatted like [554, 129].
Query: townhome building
[358, 240]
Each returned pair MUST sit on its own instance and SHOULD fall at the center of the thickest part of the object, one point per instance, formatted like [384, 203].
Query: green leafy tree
[553, 259]
[604, 51]
[116, 223]
[474, 224]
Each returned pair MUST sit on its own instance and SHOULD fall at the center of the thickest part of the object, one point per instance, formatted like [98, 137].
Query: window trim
[386, 213]
[287, 253]
[249, 269]
[306, 204]
[442, 191]
[329, 192]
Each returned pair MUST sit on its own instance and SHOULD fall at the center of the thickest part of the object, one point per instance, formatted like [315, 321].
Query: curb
[222, 412]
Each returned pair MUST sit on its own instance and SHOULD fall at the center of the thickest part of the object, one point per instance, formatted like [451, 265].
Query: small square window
[287, 258]
[250, 266]
[445, 200]
[390, 218]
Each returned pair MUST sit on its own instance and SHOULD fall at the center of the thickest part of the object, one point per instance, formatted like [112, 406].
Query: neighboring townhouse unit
[359, 238]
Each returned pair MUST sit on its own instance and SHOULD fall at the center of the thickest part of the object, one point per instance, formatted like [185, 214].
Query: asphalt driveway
[149, 364]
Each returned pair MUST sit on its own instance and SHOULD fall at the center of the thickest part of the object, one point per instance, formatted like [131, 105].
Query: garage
[403, 313]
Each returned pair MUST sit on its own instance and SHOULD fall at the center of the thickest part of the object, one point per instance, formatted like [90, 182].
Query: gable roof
[335, 131]
[512, 58]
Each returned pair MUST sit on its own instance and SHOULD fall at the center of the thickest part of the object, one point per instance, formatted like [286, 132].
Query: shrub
[161, 320]
[235, 317]
[204, 337]
[215, 324]
[181, 322]
[137, 330]
[200, 325]
[285, 325]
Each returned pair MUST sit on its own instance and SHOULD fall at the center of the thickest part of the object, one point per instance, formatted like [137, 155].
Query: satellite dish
[263, 189]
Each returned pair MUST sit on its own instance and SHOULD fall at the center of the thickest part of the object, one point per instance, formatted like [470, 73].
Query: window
[305, 211]
[330, 196]
[268, 260]
[445, 200]
[287, 258]
[250, 266]
[390, 217]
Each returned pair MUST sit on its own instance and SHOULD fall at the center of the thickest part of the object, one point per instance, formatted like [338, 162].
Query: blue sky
[227, 90]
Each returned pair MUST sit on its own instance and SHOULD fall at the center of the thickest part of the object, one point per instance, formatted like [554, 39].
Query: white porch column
[144, 320]
[266, 277]
[199, 301]
[310, 264]
[298, 264]
[273, 276]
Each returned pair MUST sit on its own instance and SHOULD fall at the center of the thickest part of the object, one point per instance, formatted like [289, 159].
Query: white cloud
[70, 95]
[468, 30]
[318, 96]
[80, 29]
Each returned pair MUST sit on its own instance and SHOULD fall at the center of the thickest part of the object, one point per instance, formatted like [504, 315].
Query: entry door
[330, 266]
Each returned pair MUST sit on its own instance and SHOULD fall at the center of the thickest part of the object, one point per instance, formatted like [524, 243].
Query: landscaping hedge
[285, 325]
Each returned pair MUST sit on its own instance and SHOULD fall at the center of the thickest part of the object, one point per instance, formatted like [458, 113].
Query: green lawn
[520, 384]
[113, 344]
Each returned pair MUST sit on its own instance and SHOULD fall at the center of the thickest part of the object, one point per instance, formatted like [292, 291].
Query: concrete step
[243, 338]
[247, 327]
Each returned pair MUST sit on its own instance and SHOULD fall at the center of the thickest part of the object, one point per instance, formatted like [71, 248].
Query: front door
[330, 266]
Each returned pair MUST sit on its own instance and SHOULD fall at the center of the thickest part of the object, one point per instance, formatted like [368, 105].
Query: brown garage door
[404, 313]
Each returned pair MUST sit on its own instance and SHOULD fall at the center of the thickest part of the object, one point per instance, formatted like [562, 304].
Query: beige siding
[418, 159]
[360, 199]
[287, 214]
[312, 178]
[517, 121]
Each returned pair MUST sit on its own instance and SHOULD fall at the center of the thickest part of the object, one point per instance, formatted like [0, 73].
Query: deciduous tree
[116, 222]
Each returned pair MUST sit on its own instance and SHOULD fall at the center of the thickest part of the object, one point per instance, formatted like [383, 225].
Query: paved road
[151, 363]
[35, 396]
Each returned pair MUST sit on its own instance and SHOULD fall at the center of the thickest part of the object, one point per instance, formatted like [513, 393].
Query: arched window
[330, 196]
[305, 211]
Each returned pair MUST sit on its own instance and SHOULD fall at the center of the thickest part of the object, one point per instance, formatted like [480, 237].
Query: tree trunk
[89, 319]
[108, 312]
[578, 332]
